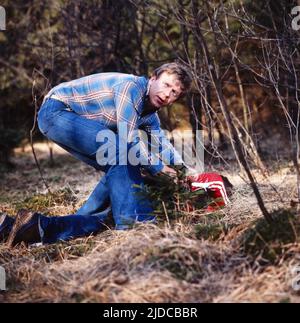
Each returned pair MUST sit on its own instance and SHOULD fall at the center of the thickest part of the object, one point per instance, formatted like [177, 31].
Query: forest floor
[231, 255]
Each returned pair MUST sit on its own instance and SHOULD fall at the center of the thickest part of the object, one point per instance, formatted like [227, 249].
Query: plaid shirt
[115, 98]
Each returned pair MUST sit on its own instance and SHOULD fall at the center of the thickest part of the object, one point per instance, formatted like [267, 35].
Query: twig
[31, 138]
[166, 213]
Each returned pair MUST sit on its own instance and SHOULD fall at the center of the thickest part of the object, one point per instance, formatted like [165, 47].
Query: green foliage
[10, 138]
[267, 242]
[212, 226]
[170, 195]
[210, 231]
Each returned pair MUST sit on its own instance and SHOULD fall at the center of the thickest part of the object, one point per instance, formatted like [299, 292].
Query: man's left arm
[160, 145]
[128, 101]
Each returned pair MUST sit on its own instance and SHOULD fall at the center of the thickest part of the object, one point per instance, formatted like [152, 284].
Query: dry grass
[221, 257]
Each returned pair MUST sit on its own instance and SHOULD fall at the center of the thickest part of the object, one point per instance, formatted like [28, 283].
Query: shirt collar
[148, 88]
[147, 107]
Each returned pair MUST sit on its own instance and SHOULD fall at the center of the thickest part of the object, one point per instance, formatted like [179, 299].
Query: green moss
[285, 300]
[41, 202]
[78, 297]
[63, 250]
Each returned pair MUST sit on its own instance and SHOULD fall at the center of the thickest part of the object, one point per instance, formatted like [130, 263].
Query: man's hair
[183, 75]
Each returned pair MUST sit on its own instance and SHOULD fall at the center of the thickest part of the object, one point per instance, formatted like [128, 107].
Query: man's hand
[188, 175]
[191, 172]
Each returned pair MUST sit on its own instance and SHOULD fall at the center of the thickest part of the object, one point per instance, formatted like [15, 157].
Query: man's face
[164, 90]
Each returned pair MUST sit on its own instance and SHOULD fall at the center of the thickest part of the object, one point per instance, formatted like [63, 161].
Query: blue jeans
[120, 190]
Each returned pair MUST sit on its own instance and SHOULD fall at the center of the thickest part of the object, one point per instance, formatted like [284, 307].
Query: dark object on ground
[25, 229]
[6, 224]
